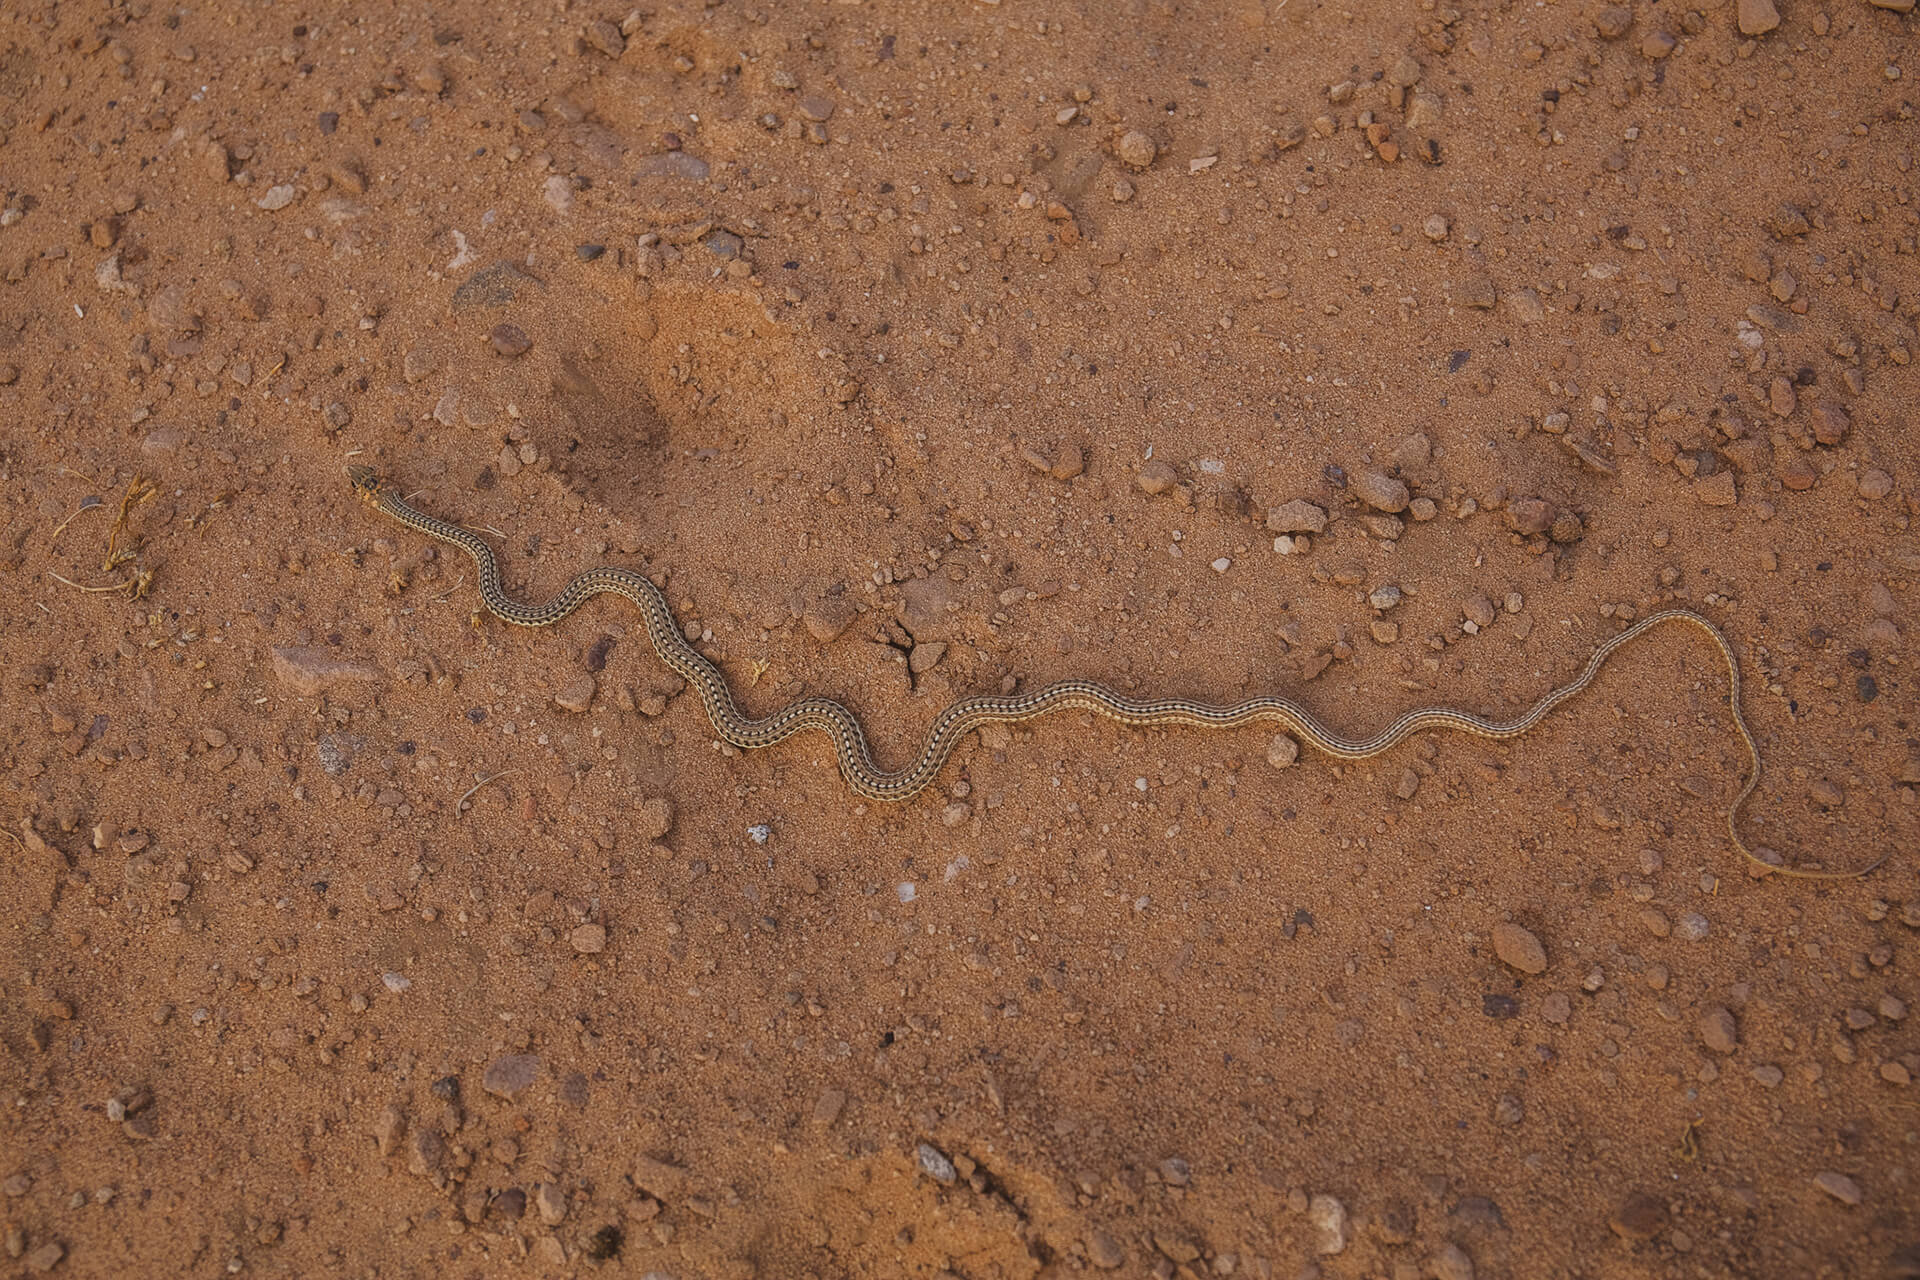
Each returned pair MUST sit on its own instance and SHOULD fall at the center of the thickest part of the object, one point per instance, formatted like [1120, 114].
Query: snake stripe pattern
[866, 778]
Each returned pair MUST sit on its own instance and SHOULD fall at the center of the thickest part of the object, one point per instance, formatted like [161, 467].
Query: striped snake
[961, 717]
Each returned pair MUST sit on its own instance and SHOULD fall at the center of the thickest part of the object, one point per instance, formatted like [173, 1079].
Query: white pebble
[759, 832]
[906, 891]
[395, 982]
[1222, 565]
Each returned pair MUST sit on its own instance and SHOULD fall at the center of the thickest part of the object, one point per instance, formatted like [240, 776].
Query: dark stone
[1868, 688]
[511, 1075]
[510, 340]
[1478, 1211]
[1495, 1005]
[329, 121]
[589, 252]
[495, 286]
[604, 1243]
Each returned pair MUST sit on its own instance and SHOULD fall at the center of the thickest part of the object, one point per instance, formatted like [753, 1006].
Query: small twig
[86, 505]
[118, 586]
[460, 805]
[458, 583]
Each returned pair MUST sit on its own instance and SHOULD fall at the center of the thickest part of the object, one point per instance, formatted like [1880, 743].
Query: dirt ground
[1382, 355]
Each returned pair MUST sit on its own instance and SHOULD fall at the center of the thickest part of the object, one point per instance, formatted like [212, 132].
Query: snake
[867, 779]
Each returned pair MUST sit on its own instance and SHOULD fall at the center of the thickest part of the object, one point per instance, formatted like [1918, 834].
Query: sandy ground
[1383, 355]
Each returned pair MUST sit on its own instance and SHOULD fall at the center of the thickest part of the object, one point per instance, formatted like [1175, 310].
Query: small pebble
[1298, 516]
[1104, 1251]
[1639, 1217]
[1156, 478]
[934, 1163]
[1282, 751]
[589, 939]
[1451, 1263]
[1381, 491]
[1137, 149]
[576, 695]
[1840, 1187]
[511, 1075]
[1757, 17]
[1519, 948]
[1329, 1220]
[509, 340]
[1718, 1031]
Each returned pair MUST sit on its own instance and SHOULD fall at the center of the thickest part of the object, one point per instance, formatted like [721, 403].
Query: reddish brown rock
[1530, 515]
[1830, 422]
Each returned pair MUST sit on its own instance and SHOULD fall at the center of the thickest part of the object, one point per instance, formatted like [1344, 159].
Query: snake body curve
[866, 778]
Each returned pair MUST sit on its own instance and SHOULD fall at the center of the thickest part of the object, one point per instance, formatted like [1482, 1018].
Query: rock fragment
[310, 671]
[1298, 516]
[1718, 1031]
[1519, 948]
[1840, 1187]
[1381, 491]
[511, 1075]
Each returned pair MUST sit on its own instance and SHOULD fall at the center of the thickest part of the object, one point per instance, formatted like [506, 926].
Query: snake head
[366, 482]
